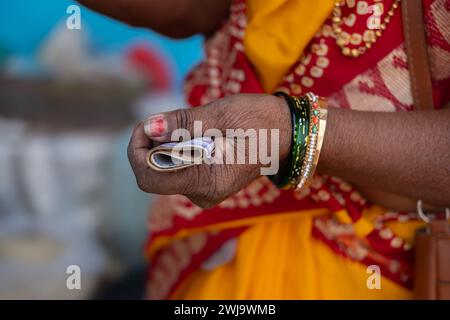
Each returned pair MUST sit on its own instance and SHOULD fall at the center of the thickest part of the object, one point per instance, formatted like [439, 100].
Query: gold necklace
[369, 37]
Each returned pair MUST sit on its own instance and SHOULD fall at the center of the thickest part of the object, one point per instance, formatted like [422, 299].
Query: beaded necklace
[375, 29]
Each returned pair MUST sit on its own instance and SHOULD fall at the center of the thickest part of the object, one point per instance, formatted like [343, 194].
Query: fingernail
[155, 126]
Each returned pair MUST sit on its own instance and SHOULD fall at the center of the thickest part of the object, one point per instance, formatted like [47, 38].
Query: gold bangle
[315, 141]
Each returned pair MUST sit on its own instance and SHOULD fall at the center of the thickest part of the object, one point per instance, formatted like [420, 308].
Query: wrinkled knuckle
[184, 119]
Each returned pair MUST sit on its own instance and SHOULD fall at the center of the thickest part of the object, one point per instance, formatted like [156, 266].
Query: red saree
[376, 81]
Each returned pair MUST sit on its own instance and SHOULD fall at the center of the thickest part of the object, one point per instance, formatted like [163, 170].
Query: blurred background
[68, 101]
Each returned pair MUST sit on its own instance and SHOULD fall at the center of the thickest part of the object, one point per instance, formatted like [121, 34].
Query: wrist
[331, 143]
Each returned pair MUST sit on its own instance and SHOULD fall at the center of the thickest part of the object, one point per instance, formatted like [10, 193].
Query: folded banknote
[179, 155]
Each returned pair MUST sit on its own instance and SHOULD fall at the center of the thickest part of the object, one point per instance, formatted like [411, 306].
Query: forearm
[173, 18]
[407, 153]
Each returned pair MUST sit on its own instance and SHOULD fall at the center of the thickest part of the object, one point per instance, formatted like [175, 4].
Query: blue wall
[24, 23]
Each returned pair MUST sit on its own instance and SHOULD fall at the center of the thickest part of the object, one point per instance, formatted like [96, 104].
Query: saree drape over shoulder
[265, 243]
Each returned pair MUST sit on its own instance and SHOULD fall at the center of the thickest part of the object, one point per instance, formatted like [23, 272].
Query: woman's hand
[208, 184]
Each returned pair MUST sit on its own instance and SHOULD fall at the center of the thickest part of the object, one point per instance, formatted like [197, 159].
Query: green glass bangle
[301, 141]
[295, 153]
[300, 112]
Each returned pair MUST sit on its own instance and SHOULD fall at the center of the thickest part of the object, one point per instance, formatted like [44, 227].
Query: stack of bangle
[309, 116]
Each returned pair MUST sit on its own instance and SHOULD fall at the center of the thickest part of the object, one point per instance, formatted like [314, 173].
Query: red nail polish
[156, 126]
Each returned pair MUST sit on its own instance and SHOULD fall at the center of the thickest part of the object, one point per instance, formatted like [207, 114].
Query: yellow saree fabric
[278, 32]
[274, 253]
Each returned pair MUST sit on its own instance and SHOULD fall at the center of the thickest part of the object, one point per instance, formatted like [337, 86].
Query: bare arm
[407, 153]
[173, 18]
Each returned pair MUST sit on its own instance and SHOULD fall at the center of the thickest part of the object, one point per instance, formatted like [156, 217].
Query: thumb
[183, 122]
